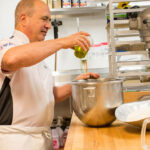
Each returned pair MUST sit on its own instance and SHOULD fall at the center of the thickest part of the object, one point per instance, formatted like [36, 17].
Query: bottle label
[66, 3]
[55, 143]
[75, 3]
[83, 3]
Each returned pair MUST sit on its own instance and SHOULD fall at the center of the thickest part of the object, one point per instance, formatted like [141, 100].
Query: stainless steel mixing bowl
[95, 100]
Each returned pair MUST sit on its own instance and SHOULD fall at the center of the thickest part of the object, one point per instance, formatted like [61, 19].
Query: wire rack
[126, 44]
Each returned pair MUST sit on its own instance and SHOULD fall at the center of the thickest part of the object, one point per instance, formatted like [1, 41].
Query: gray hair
[24, 6]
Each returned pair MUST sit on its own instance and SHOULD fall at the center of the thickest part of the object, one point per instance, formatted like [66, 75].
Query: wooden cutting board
[118, 136]
[134, 96]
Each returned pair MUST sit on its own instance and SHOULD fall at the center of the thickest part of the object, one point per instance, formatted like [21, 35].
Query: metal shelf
[118, 43]
[119, 22]
[127, 10]
[131, 53]
[138, 86]
[126, 33]
[117, 1]
[77, 11]
[133, 74]
[142, 62]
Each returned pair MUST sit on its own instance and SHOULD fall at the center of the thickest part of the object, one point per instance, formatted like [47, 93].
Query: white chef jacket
[32, 95]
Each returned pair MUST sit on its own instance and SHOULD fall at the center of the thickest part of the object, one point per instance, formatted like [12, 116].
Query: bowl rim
[97, 81]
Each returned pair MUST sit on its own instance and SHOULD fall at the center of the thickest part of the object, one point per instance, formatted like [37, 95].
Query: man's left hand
[88, 75]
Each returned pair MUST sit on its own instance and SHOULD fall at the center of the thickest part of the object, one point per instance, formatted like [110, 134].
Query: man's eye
[44, 19]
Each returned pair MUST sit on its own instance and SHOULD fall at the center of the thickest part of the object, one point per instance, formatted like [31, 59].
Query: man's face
[39, 23]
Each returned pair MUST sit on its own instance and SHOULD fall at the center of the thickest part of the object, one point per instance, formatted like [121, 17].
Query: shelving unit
[119, 35]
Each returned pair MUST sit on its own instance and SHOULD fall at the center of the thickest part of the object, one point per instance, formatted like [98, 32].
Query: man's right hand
[79, 39]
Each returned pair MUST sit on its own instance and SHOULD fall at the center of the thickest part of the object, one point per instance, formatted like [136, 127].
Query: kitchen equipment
[55, 25]
[141, 22]
[134, 113]
[130, 34]
[94, 100]
[64, 108]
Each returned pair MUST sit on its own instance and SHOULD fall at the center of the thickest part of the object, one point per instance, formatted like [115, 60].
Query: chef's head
[32, 17]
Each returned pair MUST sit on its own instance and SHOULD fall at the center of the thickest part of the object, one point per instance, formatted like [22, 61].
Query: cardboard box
[50, 3]
[56, 3]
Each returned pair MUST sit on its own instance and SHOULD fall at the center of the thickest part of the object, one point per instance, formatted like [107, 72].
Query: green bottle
[79, 52]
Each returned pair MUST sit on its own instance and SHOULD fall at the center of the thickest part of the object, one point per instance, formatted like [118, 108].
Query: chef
[27, 88]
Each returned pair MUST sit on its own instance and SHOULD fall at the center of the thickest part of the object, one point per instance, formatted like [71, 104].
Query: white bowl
[134, 113]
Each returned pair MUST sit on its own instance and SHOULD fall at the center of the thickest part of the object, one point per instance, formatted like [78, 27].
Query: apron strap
[6, 104]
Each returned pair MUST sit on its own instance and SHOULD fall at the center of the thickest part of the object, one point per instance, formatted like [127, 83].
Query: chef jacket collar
[21, 37]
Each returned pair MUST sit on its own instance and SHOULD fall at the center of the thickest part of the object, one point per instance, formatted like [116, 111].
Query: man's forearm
[29, 54]
[62, 92]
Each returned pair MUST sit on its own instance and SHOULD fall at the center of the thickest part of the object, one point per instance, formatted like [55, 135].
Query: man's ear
[23, 19]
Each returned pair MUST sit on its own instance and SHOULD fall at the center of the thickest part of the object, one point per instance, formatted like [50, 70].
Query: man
[31, 85]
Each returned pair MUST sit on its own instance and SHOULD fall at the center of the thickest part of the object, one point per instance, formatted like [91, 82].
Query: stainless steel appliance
[64, 108]
[94, 100]
[142, 24]
[129, 38]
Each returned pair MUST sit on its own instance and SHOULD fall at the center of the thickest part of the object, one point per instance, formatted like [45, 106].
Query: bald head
[25, 7]
[33, 19]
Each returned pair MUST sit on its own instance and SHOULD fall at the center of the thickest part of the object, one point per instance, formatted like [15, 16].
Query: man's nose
[48, 24]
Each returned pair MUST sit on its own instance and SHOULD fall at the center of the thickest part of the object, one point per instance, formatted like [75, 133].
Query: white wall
[94, 24]
[7, 9]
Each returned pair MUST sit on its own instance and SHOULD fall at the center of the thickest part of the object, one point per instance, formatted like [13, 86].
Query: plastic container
[60, 134]
[55, 136]
[65, 134]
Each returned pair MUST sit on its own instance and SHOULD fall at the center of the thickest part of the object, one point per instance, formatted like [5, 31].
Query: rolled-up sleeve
[4, 47]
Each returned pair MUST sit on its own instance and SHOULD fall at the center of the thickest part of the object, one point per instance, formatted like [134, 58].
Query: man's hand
[88, 75]
[79, 39]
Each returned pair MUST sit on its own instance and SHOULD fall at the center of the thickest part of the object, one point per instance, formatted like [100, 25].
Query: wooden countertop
[118, 136]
